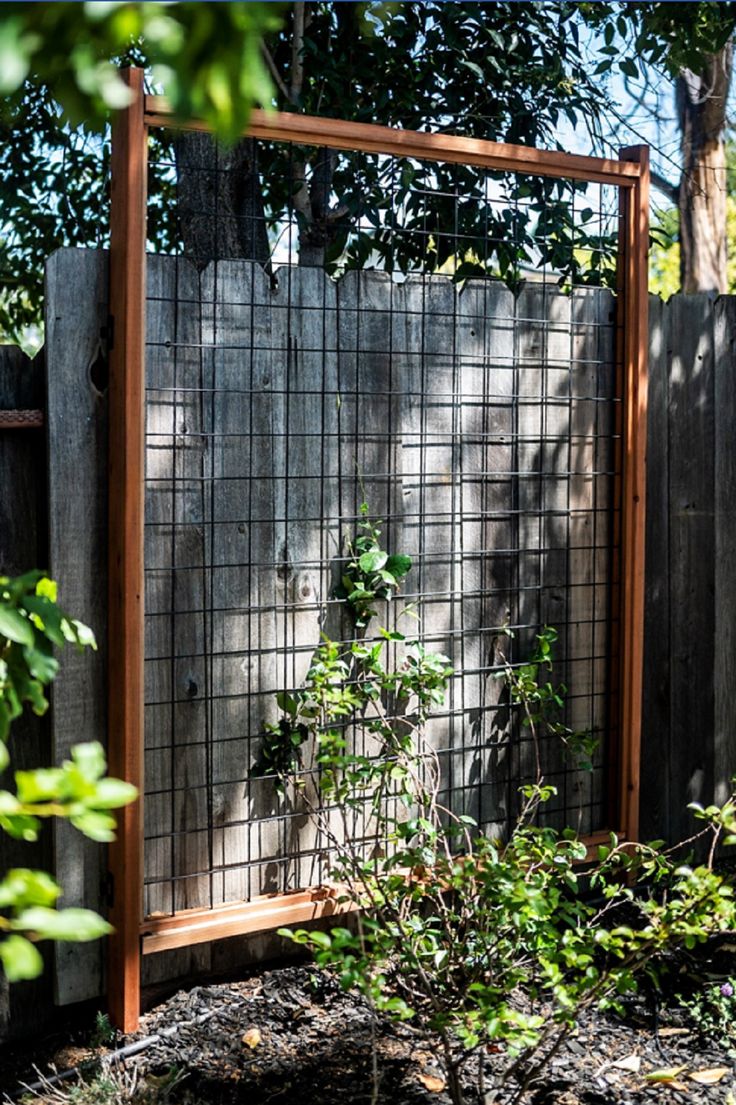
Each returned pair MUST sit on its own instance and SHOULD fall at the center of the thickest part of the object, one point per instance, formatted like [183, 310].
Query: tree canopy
[505, 71]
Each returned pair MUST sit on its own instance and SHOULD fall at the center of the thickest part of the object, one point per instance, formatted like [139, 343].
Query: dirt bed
[292, 1037]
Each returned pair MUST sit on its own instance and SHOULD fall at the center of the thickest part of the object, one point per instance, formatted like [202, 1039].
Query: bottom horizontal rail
[199, 926]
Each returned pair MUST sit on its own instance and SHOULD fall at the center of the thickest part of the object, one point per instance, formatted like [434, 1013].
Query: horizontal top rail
[309, 130]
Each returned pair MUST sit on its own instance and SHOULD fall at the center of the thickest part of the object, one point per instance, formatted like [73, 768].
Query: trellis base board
[270, 911]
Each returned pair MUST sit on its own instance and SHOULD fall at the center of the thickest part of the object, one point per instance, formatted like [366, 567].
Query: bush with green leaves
[31, 625]
[478, 941]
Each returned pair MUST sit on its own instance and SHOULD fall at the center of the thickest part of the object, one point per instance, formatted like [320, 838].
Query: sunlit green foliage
[31, 625]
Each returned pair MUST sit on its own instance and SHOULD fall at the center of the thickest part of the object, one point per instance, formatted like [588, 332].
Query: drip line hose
[112, 1057]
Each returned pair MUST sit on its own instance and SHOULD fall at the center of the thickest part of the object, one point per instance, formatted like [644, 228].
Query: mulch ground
[291, 1037]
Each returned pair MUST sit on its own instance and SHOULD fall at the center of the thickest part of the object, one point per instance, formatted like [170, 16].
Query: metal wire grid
[475, 416]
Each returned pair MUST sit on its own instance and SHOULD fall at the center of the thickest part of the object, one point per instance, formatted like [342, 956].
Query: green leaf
[47, 588]
[372, 561]
[110, 794]
[43, 784]
[321, 939]
[23, 887]
[20, 959]
[41, 665]
[95, 825]
[398, 565]
[14, 626]
[75, 925]
[90, 759]
[85, 636]
[21, 826]
[287, 703]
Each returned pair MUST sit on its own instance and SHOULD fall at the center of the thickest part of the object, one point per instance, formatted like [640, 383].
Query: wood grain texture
[657, 749]
[633, 249]
[368, 137]
[724, 480]
[126, 533]
[692, 552]
[76, 359]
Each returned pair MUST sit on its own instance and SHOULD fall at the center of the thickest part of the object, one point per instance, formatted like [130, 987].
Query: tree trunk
[220, 201]
[701, 108]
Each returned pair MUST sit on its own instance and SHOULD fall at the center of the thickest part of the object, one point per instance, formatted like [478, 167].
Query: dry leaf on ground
[709, 1077]
[432, 1083]
[629, 1062]
[252, 1037]
[671, 1030]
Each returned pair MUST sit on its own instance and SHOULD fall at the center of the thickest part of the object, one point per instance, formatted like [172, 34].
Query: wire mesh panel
[335, 336]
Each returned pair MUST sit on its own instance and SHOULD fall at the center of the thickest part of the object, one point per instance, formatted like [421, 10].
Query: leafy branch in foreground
[31, 624]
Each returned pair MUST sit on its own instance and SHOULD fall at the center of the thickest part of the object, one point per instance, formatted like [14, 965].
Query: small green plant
[372, 574]
[712, 1010]
[31, 625]
[480, 942]
[542, 702]
[103, 1034]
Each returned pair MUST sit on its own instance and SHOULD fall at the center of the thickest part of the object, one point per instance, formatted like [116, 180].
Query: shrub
[478, 941]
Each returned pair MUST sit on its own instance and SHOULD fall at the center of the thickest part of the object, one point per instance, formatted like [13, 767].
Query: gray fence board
[724, 661]
[76, 315]
[691, 561]
[656, 752]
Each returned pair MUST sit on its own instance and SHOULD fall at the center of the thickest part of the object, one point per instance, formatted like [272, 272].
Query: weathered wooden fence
[53, 511]
[689, 730]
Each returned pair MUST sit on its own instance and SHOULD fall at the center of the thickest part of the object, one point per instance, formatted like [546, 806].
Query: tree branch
[671, 191]
[297, 46]
[268, 57]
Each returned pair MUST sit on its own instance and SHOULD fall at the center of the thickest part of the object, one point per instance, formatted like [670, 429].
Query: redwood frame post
[126, 469]
[633, 281]
[630, 173]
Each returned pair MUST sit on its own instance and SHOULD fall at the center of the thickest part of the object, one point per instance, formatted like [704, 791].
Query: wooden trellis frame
[127, 471]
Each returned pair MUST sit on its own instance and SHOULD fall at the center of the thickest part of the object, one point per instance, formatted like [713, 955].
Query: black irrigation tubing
[113, 1057]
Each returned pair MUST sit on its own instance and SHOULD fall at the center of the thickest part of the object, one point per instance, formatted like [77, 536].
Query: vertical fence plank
[76, 314]
[656, 738]
[691, 563]
[724, 751]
